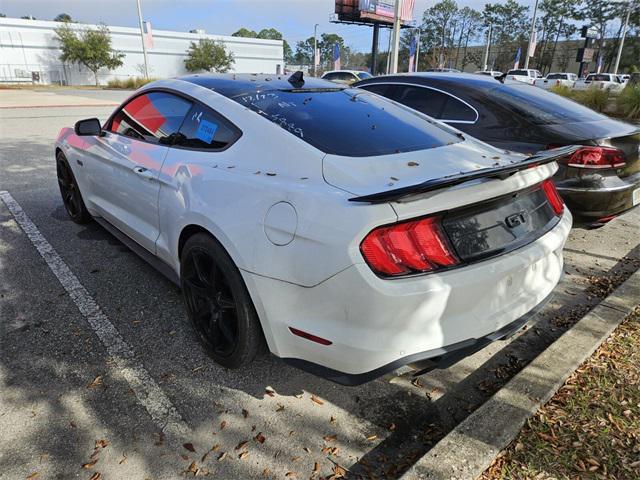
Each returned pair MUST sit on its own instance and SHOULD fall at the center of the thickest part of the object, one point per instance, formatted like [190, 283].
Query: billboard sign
[374, 11]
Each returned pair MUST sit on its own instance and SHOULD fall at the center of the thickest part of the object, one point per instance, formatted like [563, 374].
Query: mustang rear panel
[499, 226]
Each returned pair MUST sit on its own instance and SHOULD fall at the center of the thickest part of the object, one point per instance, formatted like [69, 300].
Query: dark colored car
[599, 181]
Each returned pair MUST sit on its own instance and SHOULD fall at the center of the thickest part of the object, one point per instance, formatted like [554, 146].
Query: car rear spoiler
[502, 172]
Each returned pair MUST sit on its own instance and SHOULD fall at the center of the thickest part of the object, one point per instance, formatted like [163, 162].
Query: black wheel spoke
[225, 303]
[226, 331]
[198, 289]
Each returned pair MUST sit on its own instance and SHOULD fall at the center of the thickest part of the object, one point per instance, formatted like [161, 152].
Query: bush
[562, 90]
[131, 83]
[595, 98]
[628, 102]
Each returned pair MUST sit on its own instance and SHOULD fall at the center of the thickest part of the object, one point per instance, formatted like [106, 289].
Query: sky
[294, 18]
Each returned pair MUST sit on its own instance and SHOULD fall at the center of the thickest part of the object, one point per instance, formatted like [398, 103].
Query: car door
[204, 141]
[124, 178]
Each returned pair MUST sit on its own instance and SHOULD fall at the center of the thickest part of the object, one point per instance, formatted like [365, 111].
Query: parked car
[600, 180]
[556, 80]
[603, 81]
[320, 219]
[523, 75]
[346, 77]
[490, 73]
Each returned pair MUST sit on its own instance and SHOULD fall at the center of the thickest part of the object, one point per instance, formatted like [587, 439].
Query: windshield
[347, 121]
[364, 75]
[539, 106]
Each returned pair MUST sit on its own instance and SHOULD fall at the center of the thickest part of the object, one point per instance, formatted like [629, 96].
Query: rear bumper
[375, 325]
[611, 196]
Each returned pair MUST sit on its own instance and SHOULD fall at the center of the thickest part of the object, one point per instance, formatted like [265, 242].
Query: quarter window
[205, 129]
[152, 117]
[379, 89]
[436, 104]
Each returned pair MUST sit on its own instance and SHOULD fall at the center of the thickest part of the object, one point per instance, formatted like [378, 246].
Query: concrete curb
[469, 449]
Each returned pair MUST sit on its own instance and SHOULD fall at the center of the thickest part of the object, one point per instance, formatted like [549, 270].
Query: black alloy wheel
[71, 196]
[218, 304]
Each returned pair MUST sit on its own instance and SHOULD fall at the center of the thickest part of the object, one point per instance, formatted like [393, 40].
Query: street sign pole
[144, 46]
[533, 31]
[624, 32]
[396, 37]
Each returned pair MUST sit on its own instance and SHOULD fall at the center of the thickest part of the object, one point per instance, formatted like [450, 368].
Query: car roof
[233, 84]
[452, 78]
[342, 71]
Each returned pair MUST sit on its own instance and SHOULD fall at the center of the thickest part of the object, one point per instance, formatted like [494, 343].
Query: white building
[30, 46]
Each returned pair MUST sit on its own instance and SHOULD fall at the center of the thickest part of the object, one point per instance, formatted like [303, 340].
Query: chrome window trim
[467, 122]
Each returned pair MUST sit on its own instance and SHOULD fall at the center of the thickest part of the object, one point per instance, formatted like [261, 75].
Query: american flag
[336, 56]
[516, 62]
[412, 53]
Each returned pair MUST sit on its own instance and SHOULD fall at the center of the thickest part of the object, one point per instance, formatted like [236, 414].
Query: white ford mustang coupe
[345, 232]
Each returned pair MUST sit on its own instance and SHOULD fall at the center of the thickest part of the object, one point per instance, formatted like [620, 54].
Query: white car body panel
[567, 80]
[612, 84]
[530, 78]
[281, 209]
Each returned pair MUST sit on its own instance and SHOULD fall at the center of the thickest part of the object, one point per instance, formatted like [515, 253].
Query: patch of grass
[131, 83]
[628, 102]
[590, 429]
[562, 90]
[595, 98]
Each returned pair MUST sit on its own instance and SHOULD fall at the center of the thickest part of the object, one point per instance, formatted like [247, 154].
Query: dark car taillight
[408, 247]
[556, 202]
[595, 157]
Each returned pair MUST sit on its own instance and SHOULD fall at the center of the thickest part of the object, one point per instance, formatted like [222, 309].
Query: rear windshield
[348, 122]
[557, 76]
[539, 106]
[598, 78]
[522, 73]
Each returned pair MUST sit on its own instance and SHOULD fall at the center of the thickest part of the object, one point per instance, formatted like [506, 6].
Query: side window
[424, 100]
[455, 110]
[152, 117]
[330, 76]
[380, 89]
[204, 129]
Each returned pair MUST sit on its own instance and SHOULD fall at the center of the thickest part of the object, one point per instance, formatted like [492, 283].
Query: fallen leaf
[260, 437]
[392, 427]
[102, 443]
[316, 400]
[332, 419]
[316, 467]
[189, 446]
[413, 164]
[96, 476]
[73, 425]
[241, 445]
[160, 439]
[243, 455]
[124, 459]
[372, 437]
[269, 390]
[96, 381]
[329, 438]
[222, 456]
[338, 471]
[33, 475]
[184, 456]
[215, 447]
[193, 468]
[89, 465]
[290, 474]
[306, 449]
[245, 413]
[204, 457]
[222, 425]
[280, 408]
[265, 472]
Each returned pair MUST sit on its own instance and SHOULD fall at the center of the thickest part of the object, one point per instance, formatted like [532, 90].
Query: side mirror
[88, 128]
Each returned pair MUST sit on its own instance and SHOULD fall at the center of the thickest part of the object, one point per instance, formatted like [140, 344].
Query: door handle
[144, 172]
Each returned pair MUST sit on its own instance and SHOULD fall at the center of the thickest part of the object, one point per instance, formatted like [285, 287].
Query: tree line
[447, 31]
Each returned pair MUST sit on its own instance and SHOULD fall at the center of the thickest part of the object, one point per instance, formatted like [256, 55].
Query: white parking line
[149, 394]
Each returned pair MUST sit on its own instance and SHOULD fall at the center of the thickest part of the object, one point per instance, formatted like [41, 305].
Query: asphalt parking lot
[72, 393]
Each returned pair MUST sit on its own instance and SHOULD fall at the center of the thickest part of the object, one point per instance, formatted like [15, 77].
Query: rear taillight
[409, 247]
[595, 157]
[553, 197]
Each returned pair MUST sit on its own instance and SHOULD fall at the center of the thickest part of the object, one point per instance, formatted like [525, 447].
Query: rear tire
[218, 304]
[70, 191]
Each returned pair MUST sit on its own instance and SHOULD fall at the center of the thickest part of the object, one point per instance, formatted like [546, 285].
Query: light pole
[144, 47]
[624, 32]
[315, 47]
[486, 50]
[396, 37]
[533, 32]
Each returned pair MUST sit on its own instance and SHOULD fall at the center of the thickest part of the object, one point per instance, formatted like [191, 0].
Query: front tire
[218, 304]
[71, 196]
